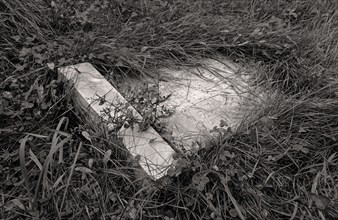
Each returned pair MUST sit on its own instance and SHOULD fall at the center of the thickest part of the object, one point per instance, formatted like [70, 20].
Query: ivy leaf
[51, 66]
[299, 147]
[20, 67]
[224, 155]
[45, 105]
[267, 123]
[183, 163]
[62, 61]
[209, 196]
[25, 51]
[228, 154]
[171, 172]
[200, 181]
[112, 196]
[25, 105]
[223, 123]
[271, 158]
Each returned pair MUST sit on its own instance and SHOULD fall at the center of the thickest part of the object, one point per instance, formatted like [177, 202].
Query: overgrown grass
[281, 165]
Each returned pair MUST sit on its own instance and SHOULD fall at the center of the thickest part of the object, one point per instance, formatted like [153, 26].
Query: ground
[281, 164]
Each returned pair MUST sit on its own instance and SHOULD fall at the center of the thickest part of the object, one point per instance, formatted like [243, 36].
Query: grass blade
[71, 174]
[24, 170]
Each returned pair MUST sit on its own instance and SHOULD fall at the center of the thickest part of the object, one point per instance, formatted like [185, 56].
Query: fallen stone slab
[216, 93]
[154, 152]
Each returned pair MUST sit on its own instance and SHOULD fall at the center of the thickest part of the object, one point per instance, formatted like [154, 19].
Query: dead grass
[281, 165]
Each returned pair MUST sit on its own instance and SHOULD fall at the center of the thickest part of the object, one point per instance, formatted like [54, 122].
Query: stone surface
[200, 97]
[203, 96]
[90, 85]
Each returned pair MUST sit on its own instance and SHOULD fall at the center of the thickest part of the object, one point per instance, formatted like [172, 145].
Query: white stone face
[202, 97]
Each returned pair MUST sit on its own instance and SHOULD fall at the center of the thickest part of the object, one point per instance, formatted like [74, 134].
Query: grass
[282, 163]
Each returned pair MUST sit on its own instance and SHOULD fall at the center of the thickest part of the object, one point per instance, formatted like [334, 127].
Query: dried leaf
[143, 49]
[83, 170]
[271, 158]
[16, 37]
[321, 201]
[7, 95]
[40, 91]
[90, 162]
[24, 51]
[18, 203]
[215, 167]
[305, 150]
[133, 213]
[86, 135]
[256, 32]
[330, 159]
[302, 130]
[233, 213]
[299, 147]
[107, 156]
[53, 4]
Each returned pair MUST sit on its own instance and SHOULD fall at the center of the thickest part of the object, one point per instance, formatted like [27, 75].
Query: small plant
[223, 132]
[148, 103]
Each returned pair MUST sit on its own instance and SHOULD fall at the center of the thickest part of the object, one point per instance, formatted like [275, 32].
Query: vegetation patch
[280, 164]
